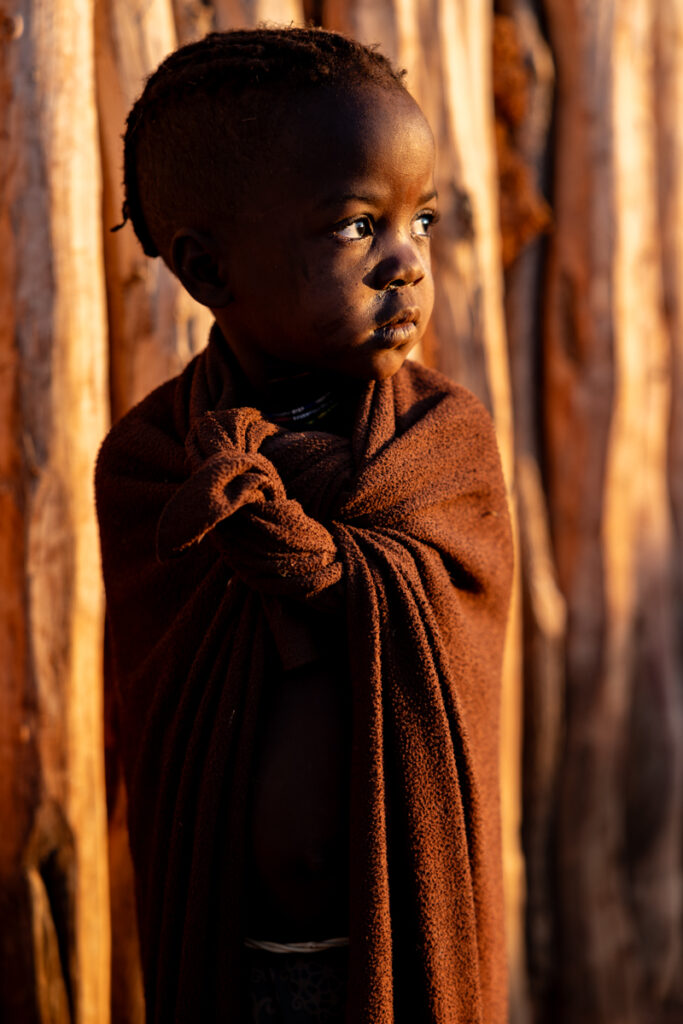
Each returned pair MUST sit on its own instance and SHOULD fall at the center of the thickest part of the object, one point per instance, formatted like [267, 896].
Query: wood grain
[53, 846]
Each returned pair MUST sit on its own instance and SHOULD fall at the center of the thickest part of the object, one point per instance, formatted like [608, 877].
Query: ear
[197, 266]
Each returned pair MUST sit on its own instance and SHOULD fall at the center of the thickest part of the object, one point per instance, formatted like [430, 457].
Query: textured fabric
[219, 530]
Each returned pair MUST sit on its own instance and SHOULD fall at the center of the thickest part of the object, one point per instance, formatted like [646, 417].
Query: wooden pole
[668, 99]
[607, 399]
[54, 923]
[155, 327]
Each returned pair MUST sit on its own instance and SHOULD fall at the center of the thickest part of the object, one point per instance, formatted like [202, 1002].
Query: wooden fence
[559, 262]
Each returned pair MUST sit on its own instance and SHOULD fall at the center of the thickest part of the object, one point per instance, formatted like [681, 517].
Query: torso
[298, 834]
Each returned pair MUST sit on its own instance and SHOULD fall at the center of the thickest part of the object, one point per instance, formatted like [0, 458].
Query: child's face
[328, 259]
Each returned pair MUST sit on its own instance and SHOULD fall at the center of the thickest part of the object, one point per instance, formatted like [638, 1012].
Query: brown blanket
[216, 526]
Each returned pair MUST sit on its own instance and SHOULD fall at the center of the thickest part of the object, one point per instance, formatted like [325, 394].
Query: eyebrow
[371, 200]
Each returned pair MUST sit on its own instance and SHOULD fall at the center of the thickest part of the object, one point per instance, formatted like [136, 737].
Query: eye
[359, 227]
[424, 222]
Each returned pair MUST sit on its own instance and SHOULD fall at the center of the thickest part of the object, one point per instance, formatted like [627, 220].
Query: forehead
[371, 136]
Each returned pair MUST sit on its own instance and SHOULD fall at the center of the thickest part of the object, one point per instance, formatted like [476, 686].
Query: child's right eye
[359, 227]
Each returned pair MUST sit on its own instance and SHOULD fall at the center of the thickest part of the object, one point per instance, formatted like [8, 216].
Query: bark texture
[607, 410]
[54, 933]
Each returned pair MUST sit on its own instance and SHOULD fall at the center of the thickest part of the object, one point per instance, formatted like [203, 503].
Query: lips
[408, 315]
[398, 329]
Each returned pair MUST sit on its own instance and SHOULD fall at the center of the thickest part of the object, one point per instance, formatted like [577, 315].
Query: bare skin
[322, 280]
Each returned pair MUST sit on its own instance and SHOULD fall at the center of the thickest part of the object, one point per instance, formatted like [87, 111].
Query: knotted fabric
[216, 525]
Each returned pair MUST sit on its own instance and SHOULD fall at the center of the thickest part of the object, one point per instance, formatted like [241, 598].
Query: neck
[308, 413]
[288, 392]
[293, 396]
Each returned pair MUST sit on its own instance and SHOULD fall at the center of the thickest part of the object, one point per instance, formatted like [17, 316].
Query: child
[307, 560]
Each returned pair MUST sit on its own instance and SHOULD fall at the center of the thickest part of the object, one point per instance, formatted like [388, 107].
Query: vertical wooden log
[637, 527]
[155, 327]
[54, 925]
[668, 105]
[608, 414]
[193, 20]
[668, 91]
[578, 395]
[249, 13]
[524, 88]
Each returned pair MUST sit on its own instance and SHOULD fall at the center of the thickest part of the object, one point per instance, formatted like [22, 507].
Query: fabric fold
[277, 548]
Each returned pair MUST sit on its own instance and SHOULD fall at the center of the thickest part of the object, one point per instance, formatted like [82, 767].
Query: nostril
[397, 271]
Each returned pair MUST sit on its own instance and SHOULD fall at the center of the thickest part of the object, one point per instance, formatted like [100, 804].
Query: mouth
[398, 329]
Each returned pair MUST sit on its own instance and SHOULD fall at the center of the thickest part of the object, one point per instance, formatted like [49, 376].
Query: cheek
[337, 261]
[337, 307]
[335, 286]
[310, 277]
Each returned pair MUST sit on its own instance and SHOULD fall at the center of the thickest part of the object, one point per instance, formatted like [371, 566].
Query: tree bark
[155, 327]
[668, 95]
[249, 13]
[523, 89]
[607, 412]
[54, 931]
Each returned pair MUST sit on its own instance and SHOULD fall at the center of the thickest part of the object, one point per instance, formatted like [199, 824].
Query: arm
[235, 494]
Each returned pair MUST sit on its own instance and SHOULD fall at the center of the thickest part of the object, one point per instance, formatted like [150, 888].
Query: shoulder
[460, 433]
[419, 388]
[141, 437]
[149, 440]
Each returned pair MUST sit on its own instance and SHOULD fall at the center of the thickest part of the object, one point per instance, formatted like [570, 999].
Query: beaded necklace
[308, 414]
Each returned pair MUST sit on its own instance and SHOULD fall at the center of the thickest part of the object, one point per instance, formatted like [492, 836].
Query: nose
[401, 266]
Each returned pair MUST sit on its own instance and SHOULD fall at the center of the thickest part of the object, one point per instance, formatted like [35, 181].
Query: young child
[307, 560]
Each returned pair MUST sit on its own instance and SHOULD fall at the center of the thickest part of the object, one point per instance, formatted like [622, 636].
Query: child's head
[286, 177]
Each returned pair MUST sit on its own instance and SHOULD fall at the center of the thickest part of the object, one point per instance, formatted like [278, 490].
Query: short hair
[208, 107]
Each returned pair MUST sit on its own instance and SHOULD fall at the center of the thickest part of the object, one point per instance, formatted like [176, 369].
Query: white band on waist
[296, 947]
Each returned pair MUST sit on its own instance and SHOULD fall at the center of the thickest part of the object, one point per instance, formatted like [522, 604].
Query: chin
[378, 365]
[389, 363]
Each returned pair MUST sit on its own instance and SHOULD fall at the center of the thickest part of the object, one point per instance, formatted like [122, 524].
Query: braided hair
[206, 114]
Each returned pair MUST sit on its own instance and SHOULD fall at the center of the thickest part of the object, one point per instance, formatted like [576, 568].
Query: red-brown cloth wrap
[211, 517]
